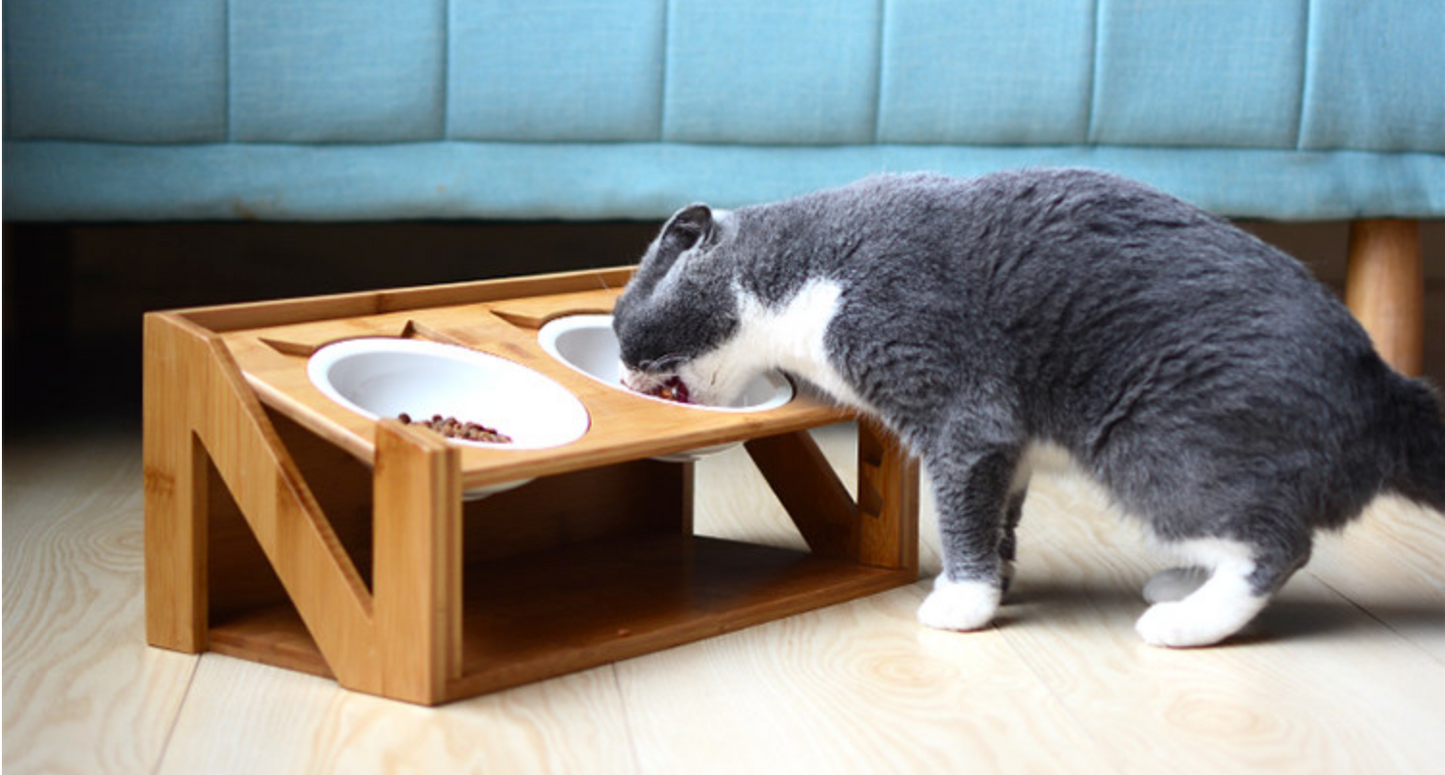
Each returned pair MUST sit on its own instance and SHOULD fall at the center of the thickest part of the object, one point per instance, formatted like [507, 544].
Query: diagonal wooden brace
[198, 407]
[873, 529]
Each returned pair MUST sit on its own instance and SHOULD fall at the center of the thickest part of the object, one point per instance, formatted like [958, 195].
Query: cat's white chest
[792, 336]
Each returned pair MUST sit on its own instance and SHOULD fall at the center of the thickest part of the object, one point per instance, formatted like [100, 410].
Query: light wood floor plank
[246, 718]
[1314, 685]
[858, 688]
[1392, 564]
[1341, 675]
[83, 692]
[854, 688]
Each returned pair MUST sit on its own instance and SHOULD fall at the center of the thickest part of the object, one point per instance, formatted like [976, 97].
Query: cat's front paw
[959, 605]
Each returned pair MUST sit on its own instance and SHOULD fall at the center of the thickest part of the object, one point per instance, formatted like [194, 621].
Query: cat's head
[681, 308]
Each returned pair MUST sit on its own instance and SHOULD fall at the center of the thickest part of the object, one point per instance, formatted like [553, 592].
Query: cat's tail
[1418, 427]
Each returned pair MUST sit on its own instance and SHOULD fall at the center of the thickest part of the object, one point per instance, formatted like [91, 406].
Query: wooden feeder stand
[284, 528]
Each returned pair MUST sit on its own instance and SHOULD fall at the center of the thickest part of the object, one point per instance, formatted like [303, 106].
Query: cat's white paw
[1198, 607]
[1174, 584]
[959, 605]
[1202, 619]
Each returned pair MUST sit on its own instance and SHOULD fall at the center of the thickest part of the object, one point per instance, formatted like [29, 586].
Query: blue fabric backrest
[1323, 74]
[1287, 75]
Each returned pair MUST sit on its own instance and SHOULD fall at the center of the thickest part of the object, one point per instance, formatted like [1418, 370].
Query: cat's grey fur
[1206, 380]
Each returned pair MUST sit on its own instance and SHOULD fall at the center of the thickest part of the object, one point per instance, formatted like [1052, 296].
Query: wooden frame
[1385, 289]
[283, 528]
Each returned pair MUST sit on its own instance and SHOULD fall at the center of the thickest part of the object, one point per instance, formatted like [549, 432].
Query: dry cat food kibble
[453, 428]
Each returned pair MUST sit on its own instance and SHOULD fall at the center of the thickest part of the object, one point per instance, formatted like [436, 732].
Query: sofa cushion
[324, 109]
[781, 73]
[142, 71]
[1223, 73]
[1376, 76]
[369, 71]
[961, 72]
[555, 70]
[650, 180]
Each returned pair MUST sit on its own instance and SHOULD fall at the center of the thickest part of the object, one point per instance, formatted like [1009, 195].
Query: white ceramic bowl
[587, 344]
[384, 377]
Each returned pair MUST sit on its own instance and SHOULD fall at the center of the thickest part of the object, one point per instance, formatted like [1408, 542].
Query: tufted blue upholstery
[987, 73]
[329, 109]
[142, 72]
[783, 74]
[601, 86]
[1231, 72]
[336, 71]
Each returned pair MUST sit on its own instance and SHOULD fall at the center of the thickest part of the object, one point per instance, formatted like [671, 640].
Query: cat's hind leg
[1008, 546]
[1237, 581]
[976, 515]
[1173, 584]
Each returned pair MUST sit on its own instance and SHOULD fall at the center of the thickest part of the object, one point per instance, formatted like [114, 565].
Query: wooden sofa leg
[1385, 289]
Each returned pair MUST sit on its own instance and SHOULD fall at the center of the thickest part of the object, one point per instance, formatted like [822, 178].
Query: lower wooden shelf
[548, 613]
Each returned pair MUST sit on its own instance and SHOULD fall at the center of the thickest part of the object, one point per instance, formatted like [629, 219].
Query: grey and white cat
[1212, 386]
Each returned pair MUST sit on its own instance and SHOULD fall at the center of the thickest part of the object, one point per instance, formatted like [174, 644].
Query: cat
[1211, 385]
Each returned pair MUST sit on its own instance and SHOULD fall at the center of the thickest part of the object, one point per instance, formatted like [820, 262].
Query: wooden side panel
[239, 578]
[418, 562]
[319, 576]
[175, 495]
[887, 500]
[342, 486]
[199, 406]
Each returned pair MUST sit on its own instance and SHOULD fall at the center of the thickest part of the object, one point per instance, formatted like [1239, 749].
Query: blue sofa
[599, 109]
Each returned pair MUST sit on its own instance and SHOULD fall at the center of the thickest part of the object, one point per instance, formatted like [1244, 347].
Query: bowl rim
[784, 391]
[320, 362]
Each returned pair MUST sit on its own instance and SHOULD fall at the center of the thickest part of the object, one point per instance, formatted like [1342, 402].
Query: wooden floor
[1344, 673]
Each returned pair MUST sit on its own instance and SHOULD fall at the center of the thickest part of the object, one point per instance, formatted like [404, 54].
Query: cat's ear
[687, 228]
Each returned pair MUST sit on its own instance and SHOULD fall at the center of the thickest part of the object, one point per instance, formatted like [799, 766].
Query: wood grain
[232, 317]
[536, 311]
[242, 718]
[1389, 564]
[203, 410]
[1251, 705]
[1338, 677]
[810, 492]
[417, 583]
[1385, 288]
[82, 691]
[233, 428]
[858, 688]
[623, 426]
